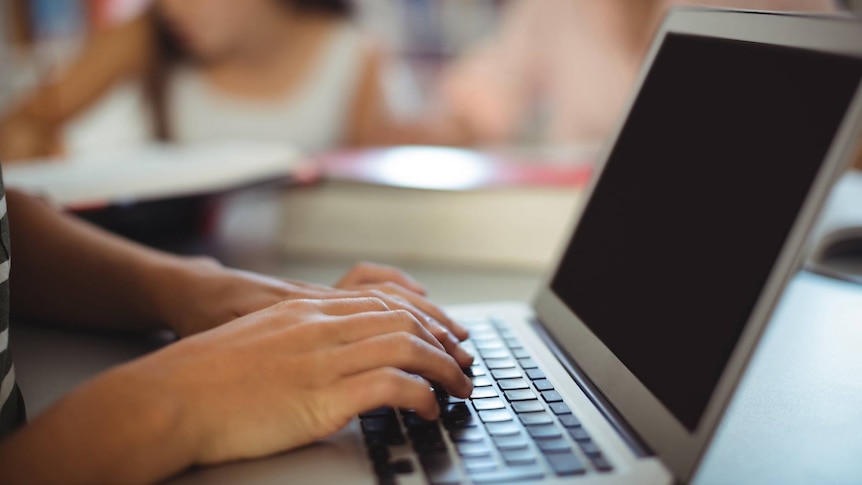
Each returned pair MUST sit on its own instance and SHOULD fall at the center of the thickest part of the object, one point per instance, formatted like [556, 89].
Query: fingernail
[464, 355]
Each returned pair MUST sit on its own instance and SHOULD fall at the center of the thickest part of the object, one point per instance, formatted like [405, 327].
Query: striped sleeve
[11, 403]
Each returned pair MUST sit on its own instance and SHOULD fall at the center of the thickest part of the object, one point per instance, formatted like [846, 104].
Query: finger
[371, 273]
[354, 328]
[338, 305]
[385, 386]
[426, 306]
[308, 285]
[442, 334]
[403, 351]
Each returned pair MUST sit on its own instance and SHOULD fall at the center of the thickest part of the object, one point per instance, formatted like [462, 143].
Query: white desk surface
[797, 418]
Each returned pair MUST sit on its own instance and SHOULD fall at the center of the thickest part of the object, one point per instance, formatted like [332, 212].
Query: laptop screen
[693, 207]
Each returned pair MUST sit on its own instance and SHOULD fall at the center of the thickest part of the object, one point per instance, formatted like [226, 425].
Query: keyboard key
[506, 374]
[569, 421]
[560, 408]
[566, 464]
[480, 465]
[509, 384]
[453, 400]
[439, 469]
[528, 363]
[589, 448]
[413, 421]
[460, 421]
[534, 374]
[473, 449]
[379, 454]
[495, 416]
[513, 343]
[494, 353]
[379, 424]
[475, 371]
[402, 467]
[579, 434]
[520, 353]
[544, 432]
[426, 448]
[476, 323]
[543, 385]
[518, 457]
[520, 395]
[378, 413]
[393, 438]
[509, 475]
[555, 445]
[483, 392]
[507, 428]
[499, 363]
[535, 418]
[498, 323]
[551, 396]
[528, 406]
[466, 435]
[482, 381]
[511, 442]
[601, 463]
[456, 409]
[488, 344]
[487, 404]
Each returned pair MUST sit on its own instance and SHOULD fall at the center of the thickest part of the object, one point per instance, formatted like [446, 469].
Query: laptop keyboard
[514, 428]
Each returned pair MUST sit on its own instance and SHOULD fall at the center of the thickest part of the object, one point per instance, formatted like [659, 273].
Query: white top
[313, 117]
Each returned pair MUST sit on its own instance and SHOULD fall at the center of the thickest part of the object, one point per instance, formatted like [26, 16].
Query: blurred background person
[558, 72]
[293, 71]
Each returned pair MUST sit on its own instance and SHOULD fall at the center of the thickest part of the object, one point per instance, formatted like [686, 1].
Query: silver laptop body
[695, 222]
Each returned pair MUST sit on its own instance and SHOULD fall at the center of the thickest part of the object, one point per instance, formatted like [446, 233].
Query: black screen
[700, 191]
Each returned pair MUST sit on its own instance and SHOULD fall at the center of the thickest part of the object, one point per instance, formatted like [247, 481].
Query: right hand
[298, 371]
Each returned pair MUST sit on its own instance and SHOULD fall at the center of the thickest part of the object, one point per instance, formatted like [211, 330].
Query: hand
[372, 274]
[299, 371]
[200, 294]
[394, 282]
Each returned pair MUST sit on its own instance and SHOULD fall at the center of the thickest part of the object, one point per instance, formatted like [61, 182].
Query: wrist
[169, 282]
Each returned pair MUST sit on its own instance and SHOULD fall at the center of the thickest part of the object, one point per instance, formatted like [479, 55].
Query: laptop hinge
[628, 435]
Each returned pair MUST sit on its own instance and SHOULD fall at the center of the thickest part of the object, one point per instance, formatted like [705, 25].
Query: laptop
[622, 368]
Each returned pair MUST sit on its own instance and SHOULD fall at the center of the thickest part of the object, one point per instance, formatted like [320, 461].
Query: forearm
[65, 271]
[122, 427]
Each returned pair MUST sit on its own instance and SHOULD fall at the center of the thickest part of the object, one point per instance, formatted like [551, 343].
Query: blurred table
[796, 420]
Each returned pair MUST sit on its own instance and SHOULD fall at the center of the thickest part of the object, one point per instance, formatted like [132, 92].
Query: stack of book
[438, 205]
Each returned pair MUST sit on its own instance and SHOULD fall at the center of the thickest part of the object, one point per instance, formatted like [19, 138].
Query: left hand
[201, 294]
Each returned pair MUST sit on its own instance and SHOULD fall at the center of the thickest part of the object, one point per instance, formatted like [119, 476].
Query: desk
[797, 418]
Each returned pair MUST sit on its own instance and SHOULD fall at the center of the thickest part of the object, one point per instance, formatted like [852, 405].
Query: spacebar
[439, 469]
[510, 475]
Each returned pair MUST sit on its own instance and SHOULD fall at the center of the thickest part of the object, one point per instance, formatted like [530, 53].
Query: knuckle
[408, 346]
[390, 381]
[376, 302]
[406, 318]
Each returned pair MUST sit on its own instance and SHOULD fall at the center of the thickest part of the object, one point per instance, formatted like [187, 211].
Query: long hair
[168, 53]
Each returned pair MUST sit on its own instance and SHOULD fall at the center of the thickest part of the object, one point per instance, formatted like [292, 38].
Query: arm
[33, 128]
[91, 277]
[268, 382]
[94, 278]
